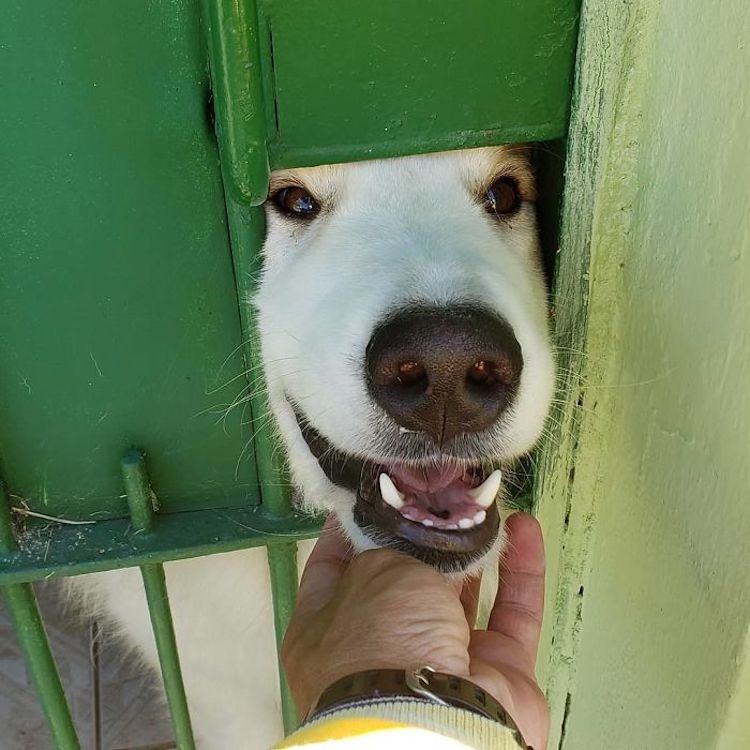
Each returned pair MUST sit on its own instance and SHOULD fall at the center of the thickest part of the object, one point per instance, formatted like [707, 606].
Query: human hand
[385, 610]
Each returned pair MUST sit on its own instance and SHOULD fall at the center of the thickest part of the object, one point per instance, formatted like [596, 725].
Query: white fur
[391, 232]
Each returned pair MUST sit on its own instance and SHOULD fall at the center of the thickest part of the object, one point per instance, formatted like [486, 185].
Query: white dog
[403, 321]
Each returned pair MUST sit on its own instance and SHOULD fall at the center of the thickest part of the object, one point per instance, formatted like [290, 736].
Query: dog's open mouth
[441, 508]
[442, 513]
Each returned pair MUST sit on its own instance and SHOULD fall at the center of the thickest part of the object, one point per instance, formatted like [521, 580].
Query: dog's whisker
[248, 372]
[234, 351]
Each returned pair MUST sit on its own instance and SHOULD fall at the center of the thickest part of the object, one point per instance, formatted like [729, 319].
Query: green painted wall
[646, 499]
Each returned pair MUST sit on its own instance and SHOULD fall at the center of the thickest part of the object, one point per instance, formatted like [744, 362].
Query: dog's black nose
[444, 371]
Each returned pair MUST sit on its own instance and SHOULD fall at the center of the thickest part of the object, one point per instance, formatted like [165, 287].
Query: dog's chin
[443, 514]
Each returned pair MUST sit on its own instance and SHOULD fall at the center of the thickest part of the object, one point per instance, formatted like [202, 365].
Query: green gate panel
[118, 312]
[126, 226]
[136, 140]
[358, 81]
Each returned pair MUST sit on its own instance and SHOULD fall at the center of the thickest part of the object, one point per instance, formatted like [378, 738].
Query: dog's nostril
[486, 375]
[411, 374]
[482, 373]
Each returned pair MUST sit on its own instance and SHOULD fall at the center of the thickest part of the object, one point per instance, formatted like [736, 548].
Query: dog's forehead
[468, 167]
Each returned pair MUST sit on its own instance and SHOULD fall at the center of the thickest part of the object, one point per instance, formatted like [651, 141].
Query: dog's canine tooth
[465, 523]
[485, 494]
[390, 492]
[479, 517]
[427, 522]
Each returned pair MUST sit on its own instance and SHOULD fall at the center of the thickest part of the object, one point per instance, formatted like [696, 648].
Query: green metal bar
[32, 638]
[283, 156]
[141, 498]
[239, 92]
[155, 585]
[96, 686]
[75, 549]
[141, 502]
[282, 564]
[273, 477]
[247, 230]
[232, 31]
[282, 558]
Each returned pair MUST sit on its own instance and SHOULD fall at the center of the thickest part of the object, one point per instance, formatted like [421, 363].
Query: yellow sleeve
[401, 724]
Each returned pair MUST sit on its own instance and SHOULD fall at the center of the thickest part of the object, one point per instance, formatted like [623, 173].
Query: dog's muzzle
[442, 514]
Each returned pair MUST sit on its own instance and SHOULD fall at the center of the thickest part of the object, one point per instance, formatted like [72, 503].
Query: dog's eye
[502, 197]
[295, 201]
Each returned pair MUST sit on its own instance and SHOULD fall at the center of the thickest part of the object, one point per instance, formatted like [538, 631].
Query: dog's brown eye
[295, 201]
[502, 197]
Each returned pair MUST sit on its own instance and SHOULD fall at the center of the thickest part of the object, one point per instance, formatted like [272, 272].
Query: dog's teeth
[479, 517]
[390, 492]
[485, 494]
[466, 523]
[452, 526]
[427, 522]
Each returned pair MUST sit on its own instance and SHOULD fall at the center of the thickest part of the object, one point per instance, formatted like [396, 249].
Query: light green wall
[646, 501]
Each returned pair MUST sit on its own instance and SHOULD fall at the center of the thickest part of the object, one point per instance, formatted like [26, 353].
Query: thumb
[325, 566]
[519, 605]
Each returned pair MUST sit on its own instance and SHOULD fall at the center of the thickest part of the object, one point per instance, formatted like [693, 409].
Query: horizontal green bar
[285, 157]
[49, 549]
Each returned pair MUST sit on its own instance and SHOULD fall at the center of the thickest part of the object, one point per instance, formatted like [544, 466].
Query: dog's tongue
[441, 497]
[440, 489]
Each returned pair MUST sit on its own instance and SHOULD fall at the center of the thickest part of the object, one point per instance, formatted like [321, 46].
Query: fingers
[517, 613]
[470, 598]
[327, 562]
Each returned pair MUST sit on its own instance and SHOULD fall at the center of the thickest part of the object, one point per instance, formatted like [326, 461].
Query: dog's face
[403, 323]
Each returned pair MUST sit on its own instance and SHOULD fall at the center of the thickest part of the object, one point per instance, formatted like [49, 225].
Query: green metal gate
[136, 146]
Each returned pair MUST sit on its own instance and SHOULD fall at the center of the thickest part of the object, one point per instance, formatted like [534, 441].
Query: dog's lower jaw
[317, 492]
[488, 560]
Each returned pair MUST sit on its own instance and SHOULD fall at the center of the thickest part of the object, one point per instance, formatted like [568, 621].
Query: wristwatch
[423, 683]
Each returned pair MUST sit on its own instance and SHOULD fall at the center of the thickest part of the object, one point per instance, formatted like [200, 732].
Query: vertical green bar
[141, 503]
[247, 230]
[29, 629]
[236, 73]
[155, 585]
[282, 564]
[234, 45]
[271, 470]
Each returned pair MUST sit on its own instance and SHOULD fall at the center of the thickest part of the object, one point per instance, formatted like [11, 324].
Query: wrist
[339, 669]
[367, 689]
